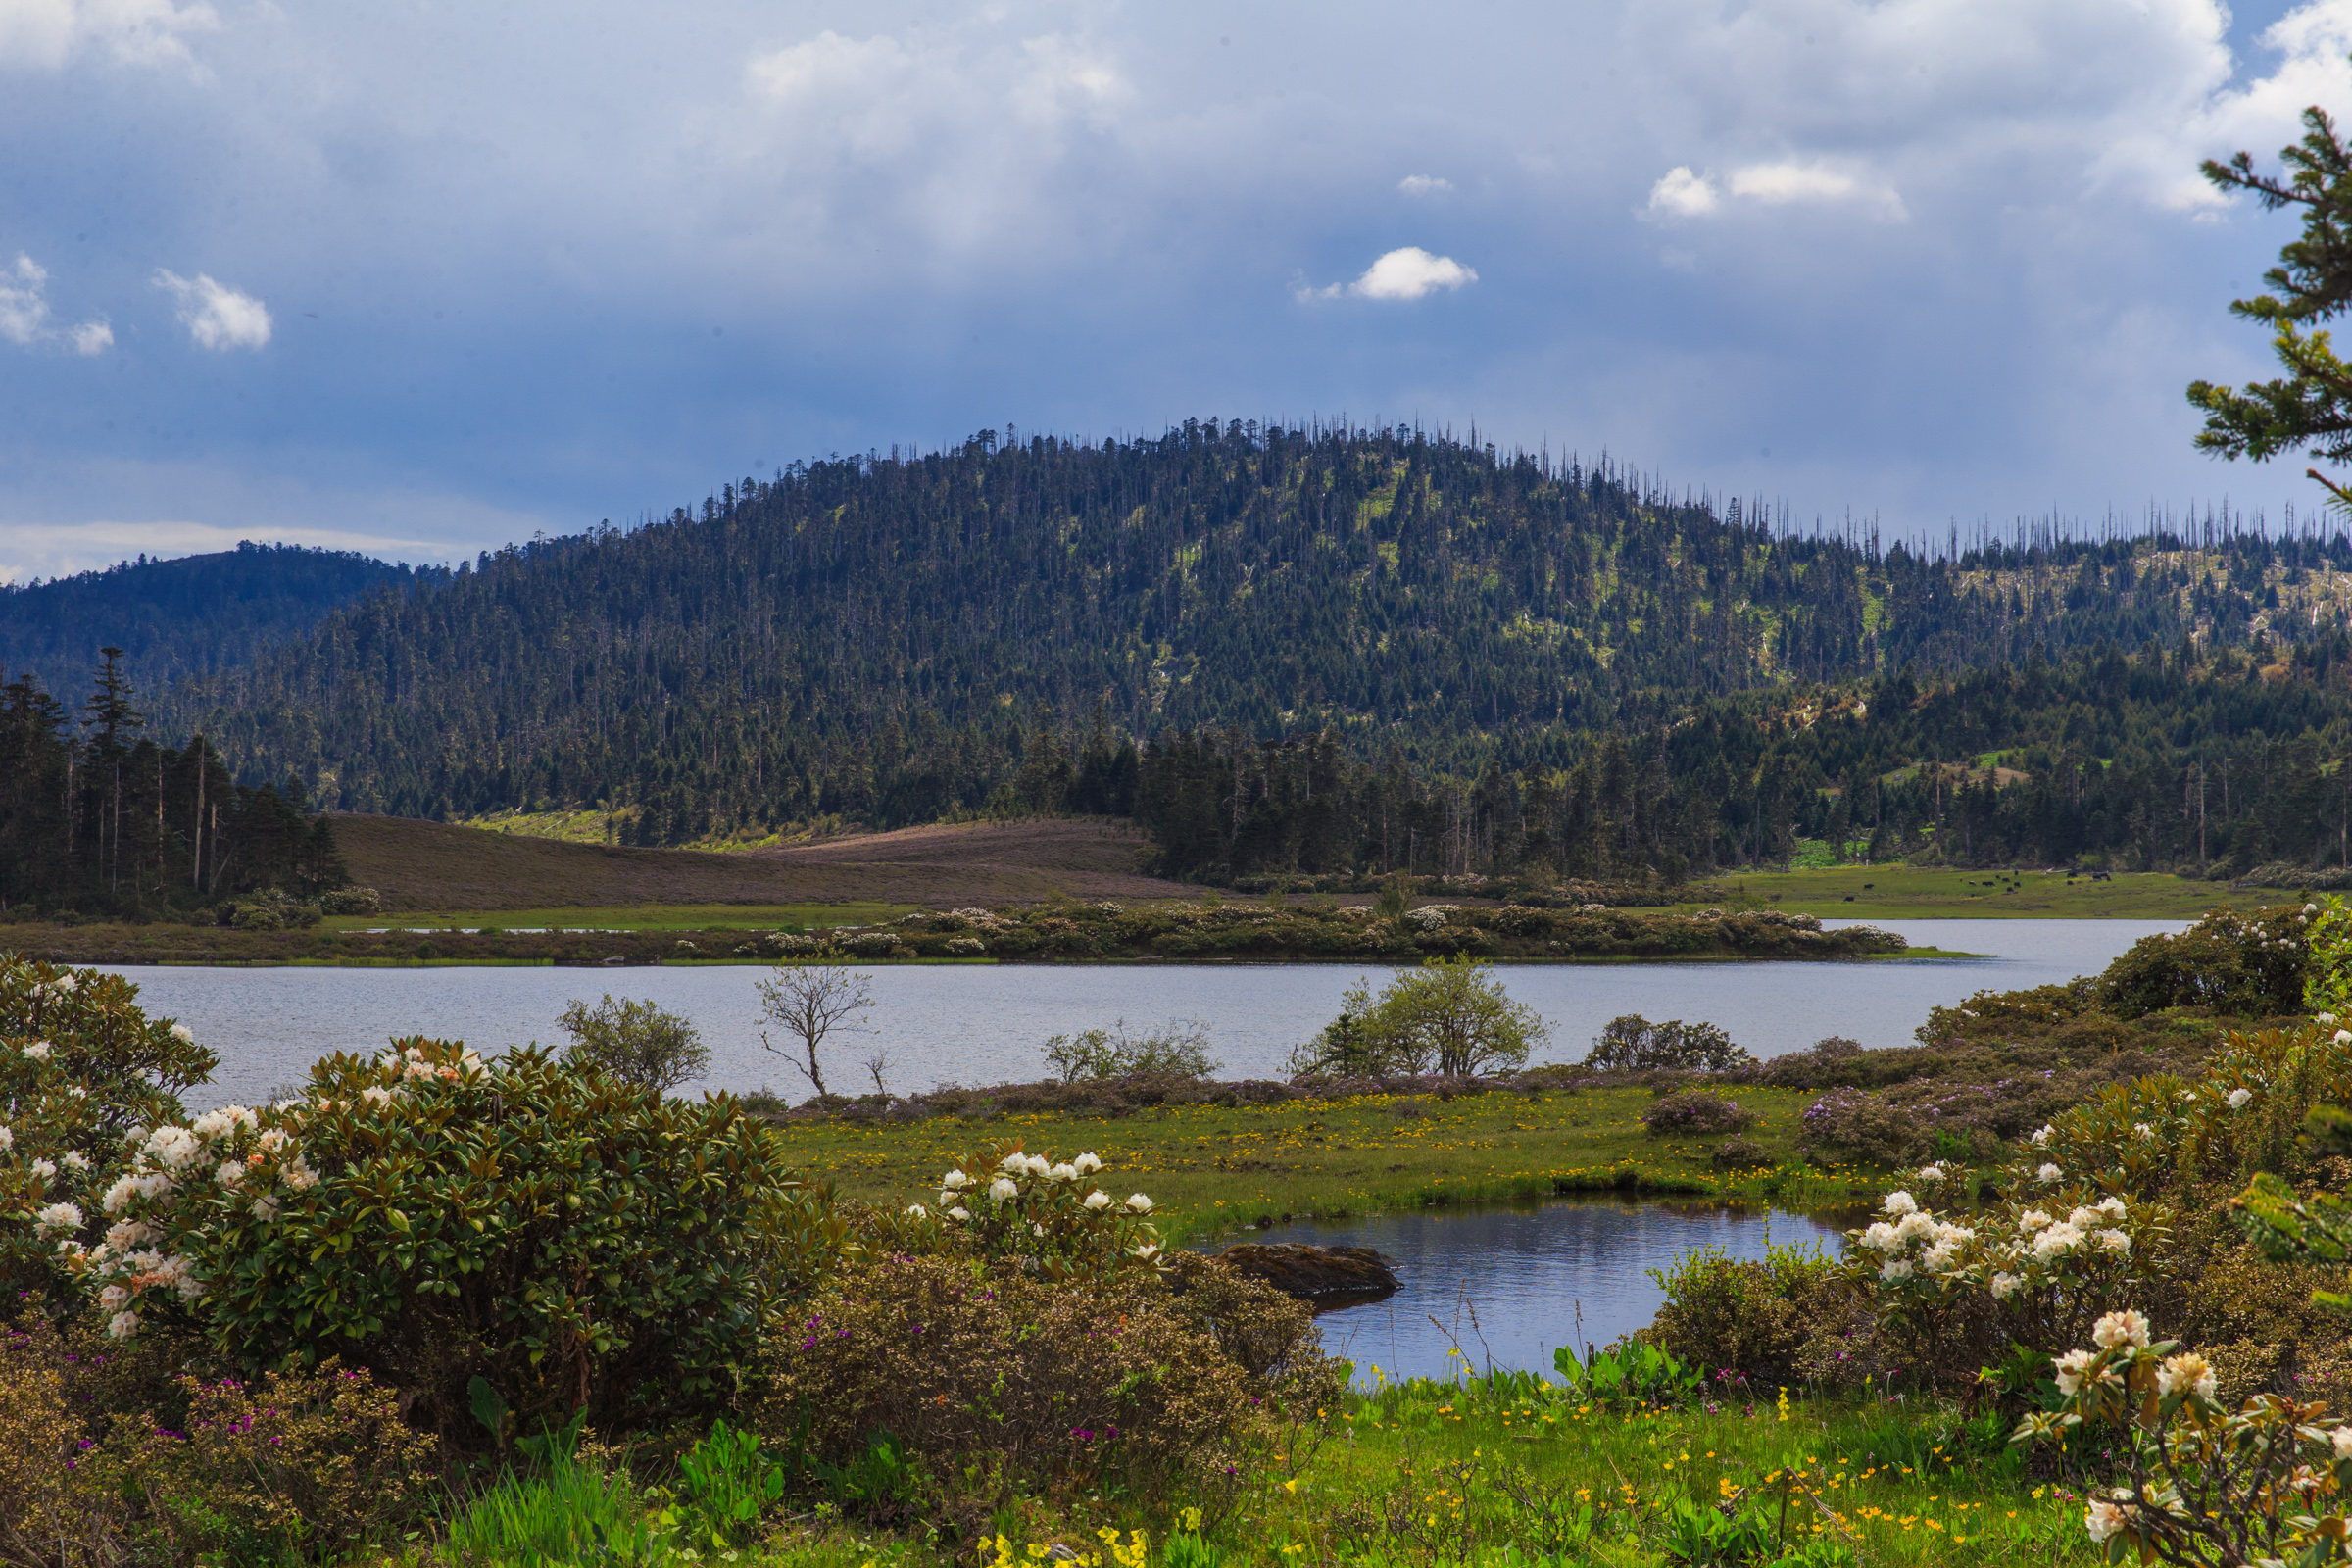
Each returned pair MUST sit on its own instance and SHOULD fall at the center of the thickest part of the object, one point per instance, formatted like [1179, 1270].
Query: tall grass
[575, 1513]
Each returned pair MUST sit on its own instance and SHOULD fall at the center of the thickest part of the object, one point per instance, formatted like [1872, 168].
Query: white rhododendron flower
[38, 1050]
[1063, 1173]
[955, 1181]
[1931, 1173]
[2121, 1328]
[2056, 1242]
[2070, 1369]
[183, 1033]
[122, 1325]
[1039, 1165]
[1938, 1259]
[376, 1094]
[1914, 1225]
[2004, 1286]
[265, 1207]
[2102, 1518]
[959, 1212]
[2116, 1242]
[1900, 1202]
[2238, 1098]
[1015, 1163]
[172, 1148]
[58, 1217]
[2031, 1220]
[1139, 1203]
[43, 1169]
[1097, 1200]
[2343, 1037]
[918, 1211]
[2044, 1135]
[1895, 1268]
[2339, 1439]
[231, 1172]
[2049, 1174]
[1003, 1190]
[2191, 1372]
[2112, 1208]
[295, 1173]
[1880, 1237]
[74, 1159]
[8, 1138]
[118, 1194]
[1087, 1164]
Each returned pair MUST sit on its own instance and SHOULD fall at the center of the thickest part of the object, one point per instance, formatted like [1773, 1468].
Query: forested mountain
[193, 615]
[882, 637]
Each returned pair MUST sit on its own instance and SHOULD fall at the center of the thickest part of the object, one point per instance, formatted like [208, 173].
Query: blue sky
[428, 276]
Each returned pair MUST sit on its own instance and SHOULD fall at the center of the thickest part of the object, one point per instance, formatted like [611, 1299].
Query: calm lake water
[988, 1024]
[1511, 1283]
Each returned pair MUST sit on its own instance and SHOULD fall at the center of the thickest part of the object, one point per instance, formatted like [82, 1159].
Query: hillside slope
[191, 617]
[883, 638]
[419, 865]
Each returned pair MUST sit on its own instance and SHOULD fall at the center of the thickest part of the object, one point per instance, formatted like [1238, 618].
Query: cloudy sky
[430, 276]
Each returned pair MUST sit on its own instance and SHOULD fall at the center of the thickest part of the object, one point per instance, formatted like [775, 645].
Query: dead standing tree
[810, 1002]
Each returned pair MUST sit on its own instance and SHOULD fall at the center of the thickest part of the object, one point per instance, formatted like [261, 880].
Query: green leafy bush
[1179, 1049]
[578, 1241]
[1751, 1319]
[635, 1041]
[1630, 1043]
[2249, 965]
[1451, 1016]
[1078, 1386]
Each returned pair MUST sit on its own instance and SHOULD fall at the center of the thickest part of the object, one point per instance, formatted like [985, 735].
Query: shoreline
[1598, 961]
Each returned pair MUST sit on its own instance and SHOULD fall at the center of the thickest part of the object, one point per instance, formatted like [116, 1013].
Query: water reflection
[1510, 1283]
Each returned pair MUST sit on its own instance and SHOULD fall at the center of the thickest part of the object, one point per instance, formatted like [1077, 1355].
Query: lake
[1511, 1283]
[978, 1025]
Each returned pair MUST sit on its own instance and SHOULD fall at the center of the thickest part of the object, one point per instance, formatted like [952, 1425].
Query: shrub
[577, 1242]
[350, 900]
[1046, 1217]
[1852, 1125]
[58, 1497]
[308, 1464]
[1745, 1317]
[1692, 1111]
[2250, 966]
[1178, 1051]
[1632, 1042]
[635, 1041]
[1265, 1333]
[1740, 1153]
[1084, 1387]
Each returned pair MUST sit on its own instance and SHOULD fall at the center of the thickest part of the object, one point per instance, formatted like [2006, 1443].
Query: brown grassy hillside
[419, 865]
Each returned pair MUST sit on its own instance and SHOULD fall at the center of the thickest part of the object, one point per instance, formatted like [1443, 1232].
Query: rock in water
[1324, 1277]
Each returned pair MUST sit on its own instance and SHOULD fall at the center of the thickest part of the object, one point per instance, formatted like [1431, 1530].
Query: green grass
[1509, 1468]
[629, 917]
[1922, 893]
[1216, 1169]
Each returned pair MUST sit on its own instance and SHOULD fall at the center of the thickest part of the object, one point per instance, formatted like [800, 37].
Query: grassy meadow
[1936, 892]
[1213, 1169]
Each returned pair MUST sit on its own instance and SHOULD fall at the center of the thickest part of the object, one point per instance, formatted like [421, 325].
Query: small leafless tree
[810, 1001]
[877, 1064]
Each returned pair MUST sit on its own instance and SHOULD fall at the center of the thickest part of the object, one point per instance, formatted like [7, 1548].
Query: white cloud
[1778, 184]
[1424, 185]
[216, 315]
[24, 311]
[1683, 194]
[1404, 273]
[49, 34]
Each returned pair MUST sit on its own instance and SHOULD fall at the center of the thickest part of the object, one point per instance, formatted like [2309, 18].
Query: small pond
[1512, 1282]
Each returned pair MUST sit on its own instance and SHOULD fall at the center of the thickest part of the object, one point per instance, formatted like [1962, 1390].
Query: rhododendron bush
[1049, 1218]
[573, 1241]
[79, 1066]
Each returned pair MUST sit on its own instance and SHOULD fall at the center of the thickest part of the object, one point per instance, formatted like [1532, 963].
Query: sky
[428, 276]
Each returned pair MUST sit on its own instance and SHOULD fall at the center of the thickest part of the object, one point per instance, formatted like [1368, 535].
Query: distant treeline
[106, 821]
[883, 638]
[2168, 760]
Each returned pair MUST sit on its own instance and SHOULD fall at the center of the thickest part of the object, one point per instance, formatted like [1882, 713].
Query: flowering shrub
[57, 1498]
[1853, 1125]
[1046, 1217]
[79, 1065]
[2034, 1270]
[2200, 1485]
[1692, 1112]
[578, 1241]
[309, 1464]
[1746, 1318]
[2252, 965]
